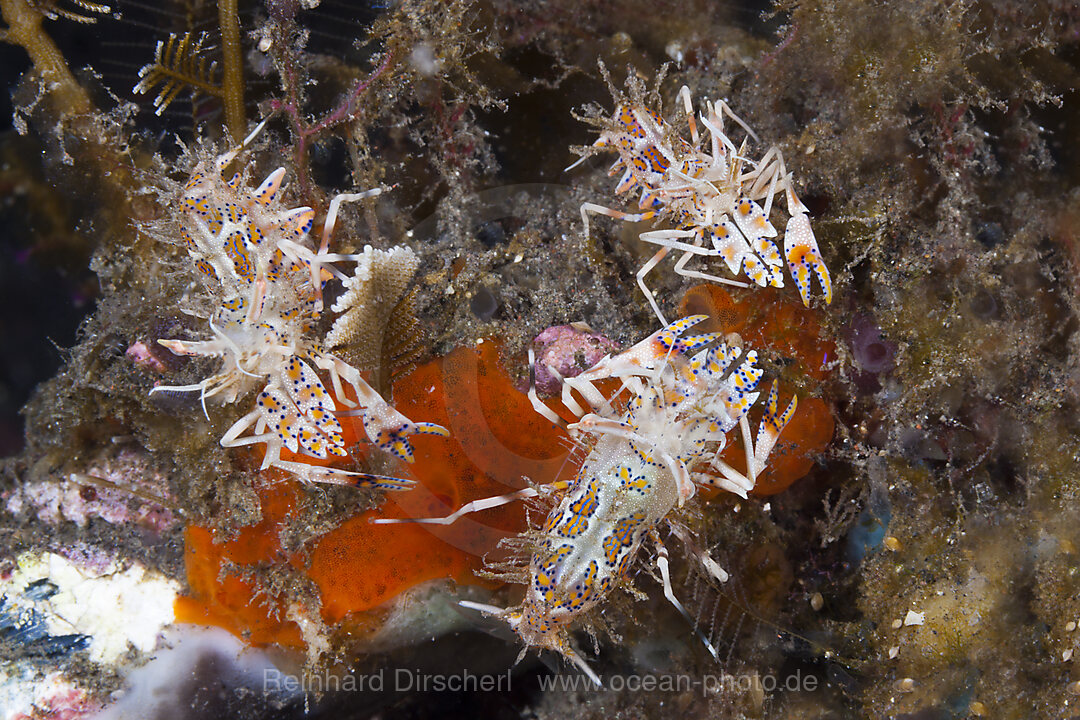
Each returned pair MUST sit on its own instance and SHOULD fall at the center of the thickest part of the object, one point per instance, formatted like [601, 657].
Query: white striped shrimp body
[710, 194]
[648, 452]
[590, 541]
[256, 263]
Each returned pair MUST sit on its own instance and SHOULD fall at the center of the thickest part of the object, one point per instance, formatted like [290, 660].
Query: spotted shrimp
[709, 192]
[648, 452]
[265, 282]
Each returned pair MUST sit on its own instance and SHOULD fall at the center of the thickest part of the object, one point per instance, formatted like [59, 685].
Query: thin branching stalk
[304, 132]
[24, 29]
[232, 57]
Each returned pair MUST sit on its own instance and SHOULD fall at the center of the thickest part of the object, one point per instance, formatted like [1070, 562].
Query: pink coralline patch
[88, 558]
[144, 356]
[117, 491]
[570, 350]
[56, 698]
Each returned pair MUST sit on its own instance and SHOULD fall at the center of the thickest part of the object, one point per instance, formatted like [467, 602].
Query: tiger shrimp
[710, 194]
[265, 283]
[648, 454]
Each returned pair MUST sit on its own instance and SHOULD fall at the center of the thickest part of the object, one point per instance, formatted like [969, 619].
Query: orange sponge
[496, 440]
[784, 329]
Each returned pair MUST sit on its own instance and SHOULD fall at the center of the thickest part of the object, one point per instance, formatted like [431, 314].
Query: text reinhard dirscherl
[412, 680]
[400, 680]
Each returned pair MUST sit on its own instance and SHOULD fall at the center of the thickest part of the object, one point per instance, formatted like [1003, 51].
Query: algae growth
[926, 566]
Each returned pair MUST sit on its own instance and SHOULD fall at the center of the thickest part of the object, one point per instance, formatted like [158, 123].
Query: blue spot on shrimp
[264, 278]
[648, 448]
